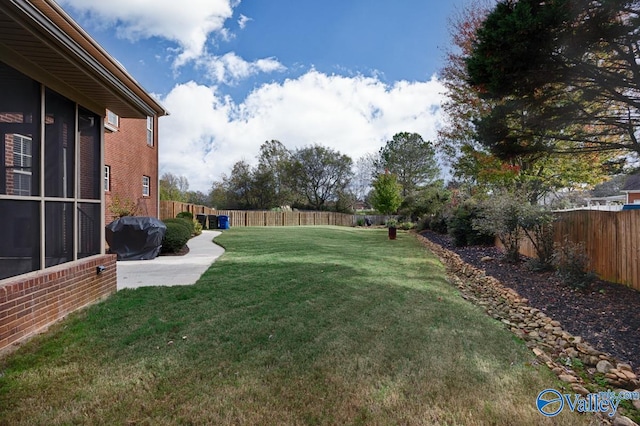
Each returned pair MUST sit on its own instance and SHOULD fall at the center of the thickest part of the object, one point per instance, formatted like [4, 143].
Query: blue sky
[344, 74]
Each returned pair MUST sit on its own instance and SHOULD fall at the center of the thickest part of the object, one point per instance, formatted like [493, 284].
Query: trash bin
[202, 219]
[223, 222]
[213, 221]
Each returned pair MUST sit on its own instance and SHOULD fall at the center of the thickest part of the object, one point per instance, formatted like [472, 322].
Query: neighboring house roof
[632, 184]
[38, 38]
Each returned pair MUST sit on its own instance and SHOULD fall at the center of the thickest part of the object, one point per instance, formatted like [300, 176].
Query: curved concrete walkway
[171, 270]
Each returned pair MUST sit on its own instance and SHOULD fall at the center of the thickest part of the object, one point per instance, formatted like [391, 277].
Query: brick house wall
[129, 158]
[30, 303]
[633, 197]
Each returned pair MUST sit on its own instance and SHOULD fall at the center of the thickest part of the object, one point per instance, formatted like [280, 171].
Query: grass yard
[305, 325]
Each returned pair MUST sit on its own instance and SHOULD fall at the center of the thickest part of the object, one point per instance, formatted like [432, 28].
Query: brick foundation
[31, 302]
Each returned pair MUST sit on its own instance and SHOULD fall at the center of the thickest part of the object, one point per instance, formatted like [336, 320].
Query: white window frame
[113, 118]
[26, 160]
[150, 131]
[146, 186]
[107, 178]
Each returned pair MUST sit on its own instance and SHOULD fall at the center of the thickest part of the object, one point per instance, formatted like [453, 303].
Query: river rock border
[553, 346]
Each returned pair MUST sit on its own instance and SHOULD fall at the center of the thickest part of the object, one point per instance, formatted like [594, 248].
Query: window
[150, 131]
[112, 119]
[22, 156]
[145, 186]
[107, 178]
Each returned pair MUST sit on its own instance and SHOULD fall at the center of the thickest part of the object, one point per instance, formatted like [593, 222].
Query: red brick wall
[130, 157]
[30, 303]
[632, 197]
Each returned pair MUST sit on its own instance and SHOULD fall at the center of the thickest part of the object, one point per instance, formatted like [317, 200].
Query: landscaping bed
[605, 314]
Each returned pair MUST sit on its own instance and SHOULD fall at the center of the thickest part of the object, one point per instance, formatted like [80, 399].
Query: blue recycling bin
[223, 222]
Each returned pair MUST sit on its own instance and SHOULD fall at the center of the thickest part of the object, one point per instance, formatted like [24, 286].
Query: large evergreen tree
[563, 75]
[412, 159]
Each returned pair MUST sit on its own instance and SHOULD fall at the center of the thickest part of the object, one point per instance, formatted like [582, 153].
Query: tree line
[314, 177]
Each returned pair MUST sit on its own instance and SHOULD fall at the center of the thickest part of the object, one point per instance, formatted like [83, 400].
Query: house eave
[43, 41]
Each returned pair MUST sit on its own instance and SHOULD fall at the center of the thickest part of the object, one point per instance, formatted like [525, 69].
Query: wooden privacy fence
[170, 209]
[611, 241]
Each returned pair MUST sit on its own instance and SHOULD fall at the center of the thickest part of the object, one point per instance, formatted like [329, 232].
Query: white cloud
[206, 133]
[230, 68]
[242, 21]
[186, 22]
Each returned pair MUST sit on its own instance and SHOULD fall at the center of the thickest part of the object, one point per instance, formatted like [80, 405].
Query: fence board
[170, 209]
[611, 241]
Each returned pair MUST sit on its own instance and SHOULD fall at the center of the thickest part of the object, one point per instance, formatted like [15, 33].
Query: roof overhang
[42, 41]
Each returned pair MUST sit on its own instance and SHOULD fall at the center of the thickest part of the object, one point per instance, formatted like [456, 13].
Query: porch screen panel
[89, 226]
[89, 173]
[19, 134]
[20, 242]
[59, 146]
[58, 233]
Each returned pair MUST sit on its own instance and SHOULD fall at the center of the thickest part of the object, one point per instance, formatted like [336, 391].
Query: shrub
[123, 207]
[571, 262]
[425, 202]
[197, 227]
[183, 222]
[175, 237]
[537, 224]
[406, 225]
[438, 223]
[391, 223]
[185, 215]
[501, 216]
[460, 227]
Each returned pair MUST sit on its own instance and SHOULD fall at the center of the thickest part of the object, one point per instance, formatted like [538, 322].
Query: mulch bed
[607, 315]
[184, 250]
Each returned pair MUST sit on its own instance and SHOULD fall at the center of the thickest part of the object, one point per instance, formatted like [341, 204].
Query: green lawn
[305, 325]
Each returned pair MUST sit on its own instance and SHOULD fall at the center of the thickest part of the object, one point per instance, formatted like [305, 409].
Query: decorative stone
[486, 259]
[592, 360]
[623, 366]
[618, 373]
[603, 366]
[571, 353]
[567, 378]
[582, 348]
[580, 389]
[623, 421]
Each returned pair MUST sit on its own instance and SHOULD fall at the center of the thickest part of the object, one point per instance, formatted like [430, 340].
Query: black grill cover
[135, 237]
